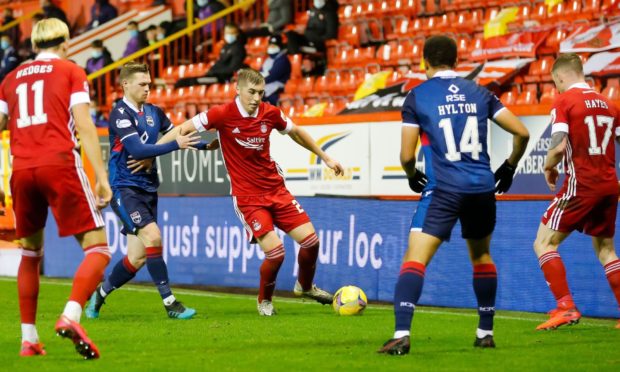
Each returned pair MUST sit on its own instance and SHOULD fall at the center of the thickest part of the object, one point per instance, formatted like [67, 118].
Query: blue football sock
[407, 293]
[159, 271]
[123, 272]
[485, 287]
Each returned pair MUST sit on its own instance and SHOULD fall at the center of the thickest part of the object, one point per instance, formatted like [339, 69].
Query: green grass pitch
[133, 333]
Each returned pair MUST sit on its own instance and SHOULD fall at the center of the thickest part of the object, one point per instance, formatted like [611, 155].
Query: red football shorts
[65, 189]
[260, 213]
[592, 215]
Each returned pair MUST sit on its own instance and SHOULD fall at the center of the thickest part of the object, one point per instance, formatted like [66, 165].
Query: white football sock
[481, 333]
[169, 300]
[102, 292]
[73, 311]
[29, 333]
[399, 334]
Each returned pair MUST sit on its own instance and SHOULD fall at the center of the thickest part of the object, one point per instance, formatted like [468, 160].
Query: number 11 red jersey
[591, 122]
[37, 97]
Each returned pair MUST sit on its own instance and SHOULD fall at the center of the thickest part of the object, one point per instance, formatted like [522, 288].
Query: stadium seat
[527, 97]
[305, 87]
[508, 98]
[295, 60]
[549, 92]
[612, 93]
[400, 28]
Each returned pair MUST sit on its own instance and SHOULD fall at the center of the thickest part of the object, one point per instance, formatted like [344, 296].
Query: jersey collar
[242, 110]
[131, 106]
[446, 74]
[580, 85]
[47, 55]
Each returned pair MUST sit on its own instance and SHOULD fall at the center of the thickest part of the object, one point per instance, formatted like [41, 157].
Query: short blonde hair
[248, 75]
[49, 33]
[568, 61]
[131, 68]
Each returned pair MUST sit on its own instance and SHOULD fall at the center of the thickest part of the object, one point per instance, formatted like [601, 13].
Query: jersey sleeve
[410, 118]
[165, 123]
[207, 120]
[495, 105]
[122, 124]
[79, 86]
[281, 122]
[4, 106]
[559, 117]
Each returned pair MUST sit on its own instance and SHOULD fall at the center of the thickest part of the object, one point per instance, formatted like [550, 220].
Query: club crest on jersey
[256, 225]
[263, 128]
[135, 217]
[149, 121]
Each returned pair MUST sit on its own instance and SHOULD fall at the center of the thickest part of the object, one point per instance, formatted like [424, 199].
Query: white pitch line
[199, 293]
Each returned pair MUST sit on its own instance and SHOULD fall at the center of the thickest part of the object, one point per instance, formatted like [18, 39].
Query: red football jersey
[37, 96]
[244, 140]
[592, 124]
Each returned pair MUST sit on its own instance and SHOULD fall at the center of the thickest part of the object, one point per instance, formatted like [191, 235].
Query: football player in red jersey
[583, 126]
[46, 105]
[260, 197]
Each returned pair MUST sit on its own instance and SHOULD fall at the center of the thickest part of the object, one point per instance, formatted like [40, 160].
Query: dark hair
[440, 51]
[131, 68]
[132, 23]
[151, 28]
[97, 43]
[569, 61]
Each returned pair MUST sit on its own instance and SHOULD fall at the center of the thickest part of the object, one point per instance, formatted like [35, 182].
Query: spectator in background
[25, 52]
[205, 9]
[322, 25]
[14, 32]
[10, 59]
[276, 69]
[151, 35]
[97, 116]
[162, 30]
[100, 57]
[231, 59]
[101, 12]
[50, 10]
[134, 43]
[280, 15]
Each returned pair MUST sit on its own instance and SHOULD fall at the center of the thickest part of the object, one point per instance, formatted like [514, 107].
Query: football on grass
[349, 300]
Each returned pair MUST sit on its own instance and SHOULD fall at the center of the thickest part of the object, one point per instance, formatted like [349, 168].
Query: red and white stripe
[247, 227]
[98, 248]
[547, 257]
[571, 191]
[612, 267]
[88, 193]
[309, 241]
[275, 253]
[31, 253]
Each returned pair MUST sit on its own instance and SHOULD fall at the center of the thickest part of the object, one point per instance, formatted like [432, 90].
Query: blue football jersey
[452, 115]
[126, 121]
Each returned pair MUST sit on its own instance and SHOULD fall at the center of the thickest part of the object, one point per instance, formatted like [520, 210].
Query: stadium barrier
[362, 243]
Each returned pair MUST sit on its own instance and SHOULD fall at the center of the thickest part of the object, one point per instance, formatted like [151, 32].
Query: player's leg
[478, 218]
[606, 253]
[150, 236]
[271, 244]
[432, 223]
[124, 270]
[30, 207]
[546, 248]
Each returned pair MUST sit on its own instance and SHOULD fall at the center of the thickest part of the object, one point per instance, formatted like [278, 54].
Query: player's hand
[503, 177]
[418, 182]
[336, 166]
[188, 141]
[551, 176]
[104, 193]
[139, 165]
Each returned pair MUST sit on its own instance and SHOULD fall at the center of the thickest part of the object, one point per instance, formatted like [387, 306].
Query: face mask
[96, 53]
[133, 33]
[319, 3]
[202, 3]
[93, 112]
[4, 44]
[273, 50]
[229, 38]
[161, 36]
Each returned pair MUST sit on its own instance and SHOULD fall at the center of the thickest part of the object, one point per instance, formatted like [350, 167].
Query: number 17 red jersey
[37, 97]
[592, 124]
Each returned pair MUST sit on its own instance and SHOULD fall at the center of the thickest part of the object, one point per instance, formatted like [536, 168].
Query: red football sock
[28, 285]
[555, 275]
[269, 271]
[612, 272]
[308, 253]
[90, 272]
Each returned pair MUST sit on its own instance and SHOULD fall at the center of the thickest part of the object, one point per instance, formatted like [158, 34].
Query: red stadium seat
[527, 98]
[548, 94]
[508, 98]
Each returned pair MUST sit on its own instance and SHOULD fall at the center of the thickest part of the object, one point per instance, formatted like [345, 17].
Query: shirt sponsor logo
[252, 143]
[123, 123]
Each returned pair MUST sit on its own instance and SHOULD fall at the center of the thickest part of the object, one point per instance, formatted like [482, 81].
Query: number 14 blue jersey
[452, 115]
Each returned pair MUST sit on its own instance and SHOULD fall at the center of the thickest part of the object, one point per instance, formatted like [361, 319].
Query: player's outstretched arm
[139, 150]
[183, 129]
[520, 137]
[303, 138]
[88, 135]
[408, 146]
